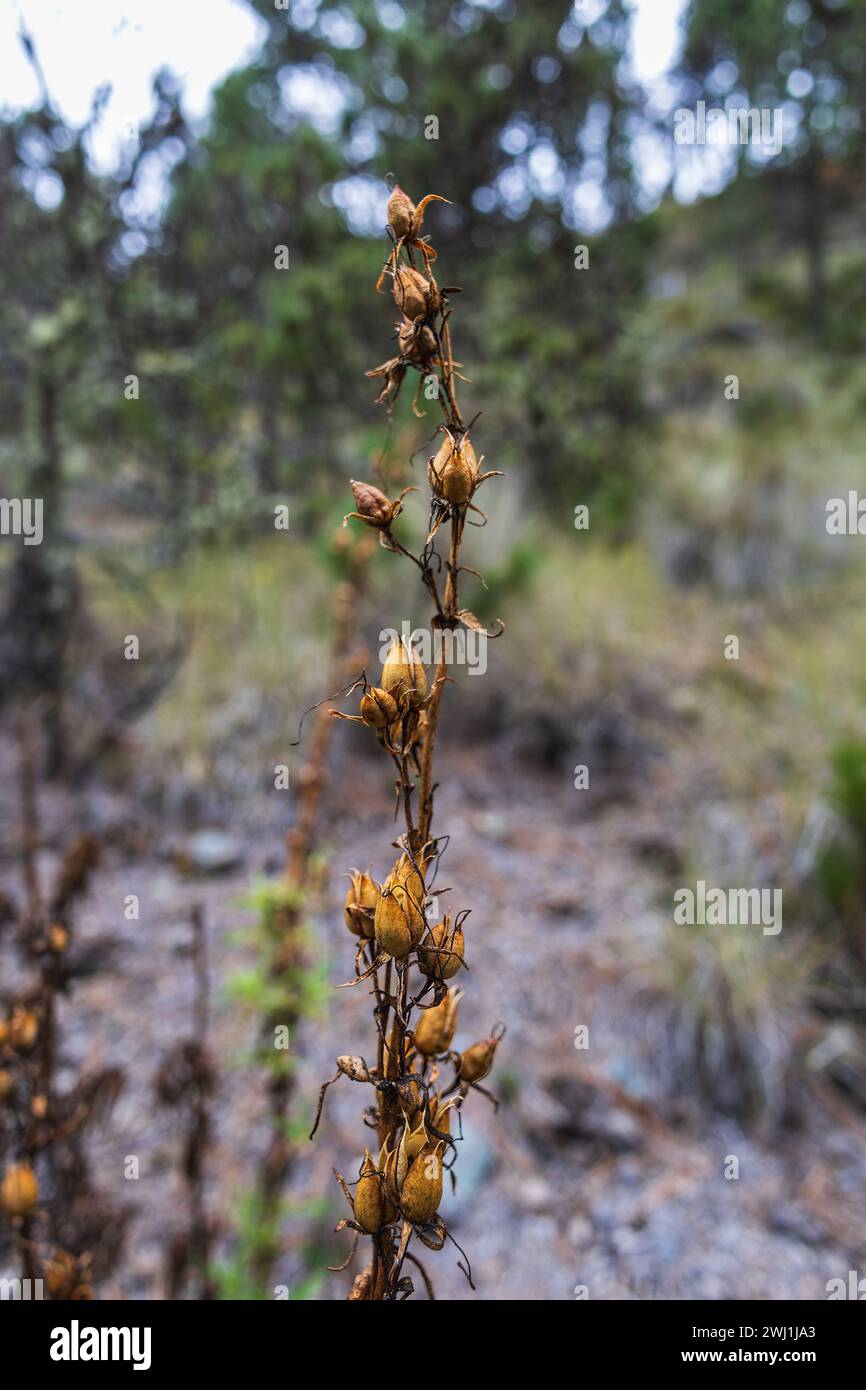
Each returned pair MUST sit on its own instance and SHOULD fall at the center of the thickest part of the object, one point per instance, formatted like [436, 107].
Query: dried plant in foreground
[186, 1081]
[67, 1232]
[288, 982]
[418, 1083]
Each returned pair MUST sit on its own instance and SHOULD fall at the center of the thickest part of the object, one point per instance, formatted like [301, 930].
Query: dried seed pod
[65, 1277]
[396, 1167]
[355, 1068]
[441, 954]
[7, 1084]
[413, 293]
[378, 708]
[403, 676]
[23, 1029]
[399, 922]
[401, 212]
[374, 508]
[422, 1188]
[453, 471]
[360, 904]
[58, 938]
[477, 1060]
[20, 1191]
[368, 1196]
[417, 342]
[434, 1030]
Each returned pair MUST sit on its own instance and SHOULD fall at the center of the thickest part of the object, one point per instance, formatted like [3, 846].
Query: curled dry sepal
[418, 1081]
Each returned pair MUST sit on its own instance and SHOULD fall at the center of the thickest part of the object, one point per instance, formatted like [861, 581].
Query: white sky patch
[655, 37]
[83, 44]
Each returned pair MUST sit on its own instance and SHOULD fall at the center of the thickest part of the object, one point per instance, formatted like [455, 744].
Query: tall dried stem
[407, 960]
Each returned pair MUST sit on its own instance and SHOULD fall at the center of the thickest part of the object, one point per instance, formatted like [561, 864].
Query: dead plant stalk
[407, 960]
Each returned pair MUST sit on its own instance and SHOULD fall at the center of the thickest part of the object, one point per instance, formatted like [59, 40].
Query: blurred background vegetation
[602, 386]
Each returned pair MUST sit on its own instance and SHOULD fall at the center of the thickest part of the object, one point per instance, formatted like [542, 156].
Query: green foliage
[301, 991]
[841, 866]
[255, 1233]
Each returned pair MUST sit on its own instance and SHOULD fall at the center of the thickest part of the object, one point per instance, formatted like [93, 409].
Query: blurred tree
[806, 57]
[522, 121]
[57, 224]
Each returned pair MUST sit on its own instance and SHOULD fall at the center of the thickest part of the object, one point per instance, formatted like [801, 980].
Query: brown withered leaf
[469, 619]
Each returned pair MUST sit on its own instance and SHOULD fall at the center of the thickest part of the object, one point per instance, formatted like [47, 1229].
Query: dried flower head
[399, 921]
[403, 675]
[476, 1061]
[23, 1029]
[378, 708]
[369, 1196]
[414, 295]
[360, 904]
[374, 508]
[440, 955]
[20, 1190]
[421, 1192]
[453, 471]
[417, 343]
[435, 1028]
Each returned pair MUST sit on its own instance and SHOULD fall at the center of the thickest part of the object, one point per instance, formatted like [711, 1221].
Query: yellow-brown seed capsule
[360, 904]
[61, 1274]
[441, 955]
[399, 921]
[412, 293]
[7, 1084]
[378, 708]
[422, 1189]
[23, 1029]
[369, 1197]
[477, 1060]
[20, 1191]
[403, 676]
[58, 938]
[434, 1030]
[453, 472]
[374, 508]
[401, 212]
[39, 1107]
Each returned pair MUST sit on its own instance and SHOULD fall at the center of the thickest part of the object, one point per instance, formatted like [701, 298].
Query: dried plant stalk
[287, 964]
[408, 960]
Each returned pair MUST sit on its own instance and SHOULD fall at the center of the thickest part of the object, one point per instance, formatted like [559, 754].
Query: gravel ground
[598, 1177]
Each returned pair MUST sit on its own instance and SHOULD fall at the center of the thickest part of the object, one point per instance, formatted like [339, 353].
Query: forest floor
[604, 1174]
